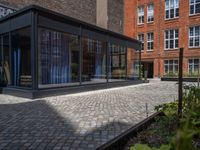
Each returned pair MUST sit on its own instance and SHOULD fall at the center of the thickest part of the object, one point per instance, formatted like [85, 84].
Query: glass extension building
[43, 51]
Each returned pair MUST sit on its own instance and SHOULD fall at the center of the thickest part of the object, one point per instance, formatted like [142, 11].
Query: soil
[158, 133]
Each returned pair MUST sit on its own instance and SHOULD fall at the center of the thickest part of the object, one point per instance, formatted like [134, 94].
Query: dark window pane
[167, 14]
[191, 9]
[176, 43]
[172, 13]
[152, 45]
[166, 35]
[197, 41]
[21, 58]
[177, 12]
[142, 46]
[171, 44]
[191, 31]
[171, 34]
[198, 8]
[148, 46]
[166, 44]
[191, 42]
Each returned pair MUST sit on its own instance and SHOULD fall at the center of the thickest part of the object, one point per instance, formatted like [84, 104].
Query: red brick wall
[158, 27]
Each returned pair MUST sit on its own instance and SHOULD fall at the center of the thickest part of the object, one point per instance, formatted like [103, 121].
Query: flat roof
[68, 19]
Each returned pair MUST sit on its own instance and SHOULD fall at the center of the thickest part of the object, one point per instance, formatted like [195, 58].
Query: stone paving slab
[78, 121]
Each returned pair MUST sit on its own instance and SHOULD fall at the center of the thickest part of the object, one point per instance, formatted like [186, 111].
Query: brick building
[104, 13]
[164, 26]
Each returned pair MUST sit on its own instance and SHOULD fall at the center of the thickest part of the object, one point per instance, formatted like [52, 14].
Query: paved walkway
[78, 121]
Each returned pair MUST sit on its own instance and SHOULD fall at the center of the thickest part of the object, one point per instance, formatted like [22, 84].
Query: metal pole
[180, 87]
[140, 64]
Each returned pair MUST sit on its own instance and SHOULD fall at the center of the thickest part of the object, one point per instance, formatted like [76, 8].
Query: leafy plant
[189, 124]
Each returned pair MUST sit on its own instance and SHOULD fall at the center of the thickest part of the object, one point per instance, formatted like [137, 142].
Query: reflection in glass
[58, 58]
[94, 61]
[117, 63]
[21, 58]
[135, 72]
[5, 62]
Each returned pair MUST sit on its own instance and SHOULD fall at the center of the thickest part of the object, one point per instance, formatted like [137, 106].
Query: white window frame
[173, 65]
[194, 5]
[194, 36]
[140, 14]
[150, 12]
[141, 40]
[150, 39]
[169, 39]
[172, 5]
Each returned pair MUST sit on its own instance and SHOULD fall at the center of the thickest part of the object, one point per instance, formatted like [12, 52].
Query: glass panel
[176, 43]
[132, 64]
[171, 44]
[117, 69]
[191, 42]
[94, 61]
[58, 59]
[21, 58]
[167, 4]
[197, 8]
[6, 59]
[167, 14]
[191, 31]
[191, 9]
[166, 44]
[166, 69]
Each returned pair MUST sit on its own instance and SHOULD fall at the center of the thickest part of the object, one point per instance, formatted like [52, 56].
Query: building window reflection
[94, 61]
[58, 58]
[117, 63]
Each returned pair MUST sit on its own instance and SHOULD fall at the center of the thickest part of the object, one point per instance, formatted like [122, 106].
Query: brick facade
[158, 27]
[85, 10]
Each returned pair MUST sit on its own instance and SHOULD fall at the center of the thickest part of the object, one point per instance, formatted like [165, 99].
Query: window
[141, 39]
[171, 39]
[150, 40]
[171, 67]
[94, 61]
[141, 15]
[194, 37]
[194, 7]
[117, 62]
[150, 13]
[58, 58]
[171, 9]
[21, 57]
[193, 66]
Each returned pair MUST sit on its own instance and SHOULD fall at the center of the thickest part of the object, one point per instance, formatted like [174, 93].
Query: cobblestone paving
[78, 121]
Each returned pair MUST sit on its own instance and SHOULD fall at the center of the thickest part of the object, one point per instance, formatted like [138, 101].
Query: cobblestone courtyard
[78, 121]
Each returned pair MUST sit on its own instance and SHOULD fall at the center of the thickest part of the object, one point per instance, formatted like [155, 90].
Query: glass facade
[21, 58]
[54, 53]
[61, 59]
[93, 61]
[58, 58]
